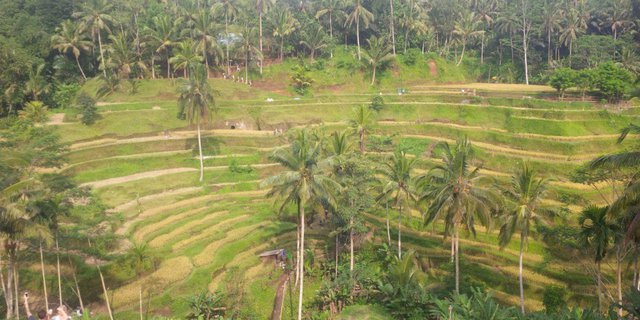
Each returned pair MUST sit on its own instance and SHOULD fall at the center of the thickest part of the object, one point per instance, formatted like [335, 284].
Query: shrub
[554, 298]
[563, 79]
[87, 107]
[300, 79]
[65, 94]
[612, 81]
[206, 306]
[377, 103]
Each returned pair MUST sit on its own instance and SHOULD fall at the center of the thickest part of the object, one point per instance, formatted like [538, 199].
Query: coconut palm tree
[467, 27]
[229, 11]
[333, 9]
[282, 25]
[196, 103]
[186, 57]
[95, 17]
[34, 111]
[361, 121]
[597, 233]
[248, 51]
[413, 19]
[162, 34]
[453, 194]
[122, 56]
[397, 185]
[37, 84]
[69, 38]
[262, 6]
[573, 26]
[378, 53]
[551, 23]
[204, 31]
[525, 194]
[359, 13]
[301, 183]
[314, 41]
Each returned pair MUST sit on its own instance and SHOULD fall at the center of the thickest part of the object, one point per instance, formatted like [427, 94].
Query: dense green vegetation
[151, 151]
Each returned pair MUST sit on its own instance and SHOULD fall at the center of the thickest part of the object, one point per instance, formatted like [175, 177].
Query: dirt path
[278, 302]
[56, 119]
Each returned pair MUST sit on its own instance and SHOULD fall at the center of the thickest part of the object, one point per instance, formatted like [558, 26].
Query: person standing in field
[42, 314]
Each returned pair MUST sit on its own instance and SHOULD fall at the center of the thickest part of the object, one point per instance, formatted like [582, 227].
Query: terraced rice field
[142, 162]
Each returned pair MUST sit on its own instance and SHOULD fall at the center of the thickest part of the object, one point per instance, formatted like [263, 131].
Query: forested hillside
[320, 159]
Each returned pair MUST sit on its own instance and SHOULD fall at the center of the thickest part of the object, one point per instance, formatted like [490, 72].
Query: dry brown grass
[142, 233]
[186, 228]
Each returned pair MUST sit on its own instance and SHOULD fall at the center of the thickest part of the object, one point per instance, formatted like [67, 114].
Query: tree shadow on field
[210, 146]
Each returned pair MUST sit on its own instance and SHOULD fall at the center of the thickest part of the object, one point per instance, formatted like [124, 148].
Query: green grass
[366, 312]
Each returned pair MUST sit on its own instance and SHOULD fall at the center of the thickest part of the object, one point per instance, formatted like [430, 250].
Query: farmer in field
[42, 315]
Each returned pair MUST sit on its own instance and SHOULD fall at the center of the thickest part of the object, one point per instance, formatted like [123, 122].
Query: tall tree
[333, 9]
[467, 27]
[186, 57]
[551, 19]
[302, 182]
[397, 185]
[377, 54]
[525, 195]
[359, 13]
[282, 25]
[314, 40]
[204, 31]
[70, 39]
[162, 34]
[95, 17]
[37, 83]
[196, 103]
[229, 10]
[261, 7]
[453, 194]
[597, 233]
[362, 121]
[248, 51]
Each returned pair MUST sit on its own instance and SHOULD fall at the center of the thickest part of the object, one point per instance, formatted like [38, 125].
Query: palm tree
[596, 234]
[248, 51]
[261, 7]
[618, 17]
[508, 23]
[282, 25]
[362, 121]
[196, 103]
[229, 11]
[314, 40]
[301, 183]
[69, 38]
[358, 13]
[122, 56]
[525, 194]
[377, 54]
[413, 20]
[95, 17]
[453, 194]
[331, 8]
[572, 28]
[37, 84]
[467, 27]
[204, 32]
[187, 57]
[397, 185]
[34, 111]
[162, 34]
[551, 18]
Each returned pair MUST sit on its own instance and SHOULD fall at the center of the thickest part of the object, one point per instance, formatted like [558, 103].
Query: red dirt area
[433, 69]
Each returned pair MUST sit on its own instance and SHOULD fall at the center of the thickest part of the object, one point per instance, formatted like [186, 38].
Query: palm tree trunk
[226, 33]
[336, 277]
[373, 76]
[44, 279]
[84, 77]
[457, 256]
[301, 254]
[388, 229]
[362, 149]
[4, 286]
[140, 300]
[599, 284]
[331, 32]
[464, 47]
[351, 245]
[520, 274]
[260, 40]
[549, 47]
[400, 233]
[75, 280]
[106, 293]
[58, 270]
[281, 48]
[619, 276]
[298, 252]
[168, 66]
[16, 282]
[10, 283]
[104, 70]
[524, 42]
[481, 49]
[358, 36]
[392, 27]
[201, 157]
[153, 69]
